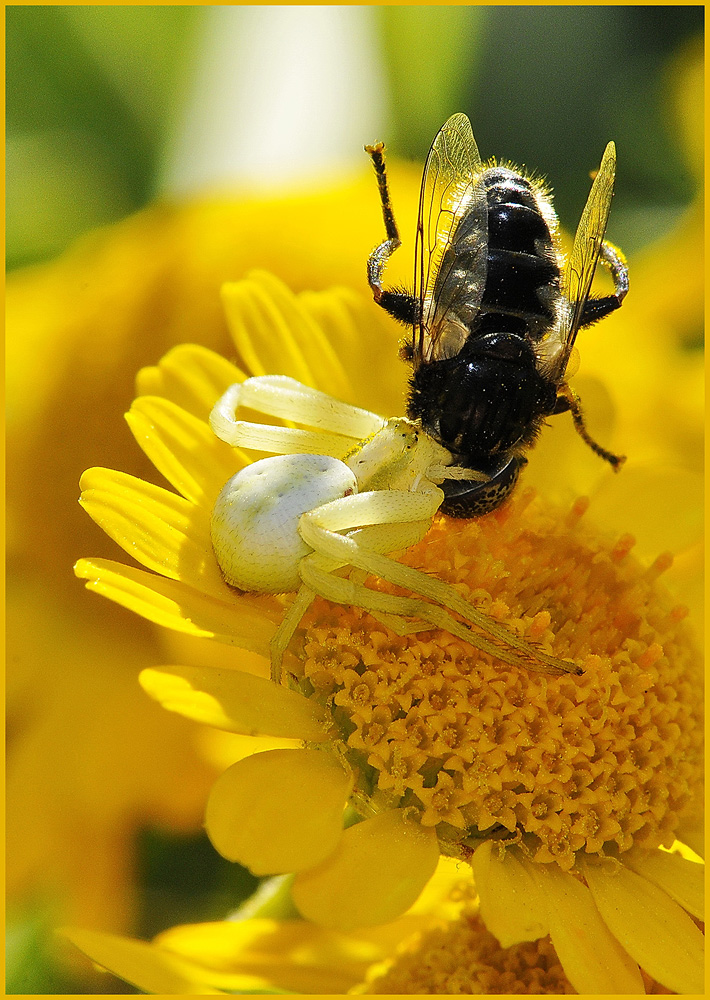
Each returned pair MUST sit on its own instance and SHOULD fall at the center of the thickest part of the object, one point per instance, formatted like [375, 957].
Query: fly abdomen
[512, 226]
[514, 283]
[523, 273]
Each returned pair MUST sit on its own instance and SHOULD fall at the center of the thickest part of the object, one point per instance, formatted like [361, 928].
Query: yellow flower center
[460, 956]
[463, 957]
[598, 762]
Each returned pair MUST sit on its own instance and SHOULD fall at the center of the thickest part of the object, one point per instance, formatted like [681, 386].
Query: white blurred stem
[281, 95]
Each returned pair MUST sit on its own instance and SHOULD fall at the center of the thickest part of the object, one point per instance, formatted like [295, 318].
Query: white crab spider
[346, 488]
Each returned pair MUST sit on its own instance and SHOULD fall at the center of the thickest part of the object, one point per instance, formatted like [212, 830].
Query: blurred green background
[95, 95]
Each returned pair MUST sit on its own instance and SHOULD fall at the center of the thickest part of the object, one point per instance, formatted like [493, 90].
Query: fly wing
[451, 247]
[584, 258]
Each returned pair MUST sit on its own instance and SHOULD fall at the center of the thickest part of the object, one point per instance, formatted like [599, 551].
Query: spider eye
[255, 518]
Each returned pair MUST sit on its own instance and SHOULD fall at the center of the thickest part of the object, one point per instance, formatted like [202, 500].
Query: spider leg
[456, 473]
[282, 440]
[378, 537]
[398, 624]
[320, 529]
[284, 397]
[283, 634]
[341, 590]
[391, 537]
[395, 623]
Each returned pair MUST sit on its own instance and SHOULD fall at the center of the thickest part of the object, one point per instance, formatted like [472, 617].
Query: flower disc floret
[599, 762]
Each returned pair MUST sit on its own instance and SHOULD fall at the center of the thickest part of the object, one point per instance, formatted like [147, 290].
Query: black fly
[496, 308]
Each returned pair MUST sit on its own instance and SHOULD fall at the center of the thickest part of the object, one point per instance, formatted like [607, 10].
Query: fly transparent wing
[451, 246]
[584, 258]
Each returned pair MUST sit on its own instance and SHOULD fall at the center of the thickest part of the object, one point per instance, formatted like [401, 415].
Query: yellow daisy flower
[559, 790]
[461, 955]
[254, 952]
[440, 946]
[150, 282]
[140, 287]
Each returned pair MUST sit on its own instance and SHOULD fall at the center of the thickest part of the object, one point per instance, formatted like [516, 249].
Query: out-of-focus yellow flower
[441, 946]
[254, 952]
[558, 789]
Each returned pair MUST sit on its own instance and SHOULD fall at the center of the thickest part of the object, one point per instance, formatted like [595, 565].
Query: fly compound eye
[255, 518]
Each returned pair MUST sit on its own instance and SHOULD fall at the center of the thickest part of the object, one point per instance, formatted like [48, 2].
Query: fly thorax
[487, 400]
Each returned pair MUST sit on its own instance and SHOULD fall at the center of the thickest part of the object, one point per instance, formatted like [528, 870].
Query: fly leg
[399, 304]
[567, 399]
[595, 309]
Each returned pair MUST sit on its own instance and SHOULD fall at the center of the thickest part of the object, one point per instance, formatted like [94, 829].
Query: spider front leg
[321, 528]
[337, 424]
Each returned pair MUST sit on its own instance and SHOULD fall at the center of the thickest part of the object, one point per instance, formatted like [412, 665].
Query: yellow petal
[664, 506]
[163, 531]
[177, 647]
[593, 960]
[274, 334]
[140, 963]
[378, 870]
[356, 332]
[510, 902]
[436, 897]
[290, 955]
[692, 833]
[221, 749]
[112, 481]
[652, 928]
[279, 811]
[183, 448]
[191, 376]
[248, 622]
[683, 880]
[235, 701]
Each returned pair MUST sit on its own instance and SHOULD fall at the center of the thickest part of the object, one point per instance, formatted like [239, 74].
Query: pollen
[599, 762]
